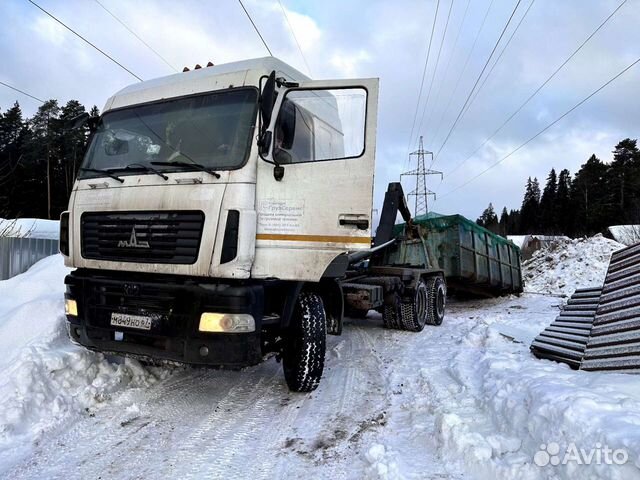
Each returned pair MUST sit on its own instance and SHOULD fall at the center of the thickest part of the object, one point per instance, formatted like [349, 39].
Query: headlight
[71, 307]
[64, 234]
[227, 322]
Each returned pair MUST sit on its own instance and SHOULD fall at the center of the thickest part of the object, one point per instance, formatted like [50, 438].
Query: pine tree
[37, 158]
[513, 226]
[590, 199]
[504, 222]
[489, 219]
[621, 180]
[529, 213]
[548, 204]
[563, 214]
[13, 132]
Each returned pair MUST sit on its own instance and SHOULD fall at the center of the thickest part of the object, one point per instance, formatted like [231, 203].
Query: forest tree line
[39, 159]
[598, 195]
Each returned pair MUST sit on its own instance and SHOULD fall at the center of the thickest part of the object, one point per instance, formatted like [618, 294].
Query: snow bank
[30, 227]
[505, 414]
[44, 379]
[504, 407]
[562, 267]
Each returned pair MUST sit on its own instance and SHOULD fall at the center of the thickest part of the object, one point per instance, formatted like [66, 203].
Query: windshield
[214, 130]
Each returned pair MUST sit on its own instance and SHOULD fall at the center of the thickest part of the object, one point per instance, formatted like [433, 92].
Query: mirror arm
[264, 142]
[282, 82]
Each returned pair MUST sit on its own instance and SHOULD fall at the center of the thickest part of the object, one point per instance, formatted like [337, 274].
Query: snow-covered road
[365, 418]
[464, 400]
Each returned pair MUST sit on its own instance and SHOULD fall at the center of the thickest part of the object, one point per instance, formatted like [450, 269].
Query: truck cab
[215, 209]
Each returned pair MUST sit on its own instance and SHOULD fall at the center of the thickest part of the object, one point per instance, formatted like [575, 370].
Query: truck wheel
[437, 295]
[414, 310]
[391, 311]
[305, 343]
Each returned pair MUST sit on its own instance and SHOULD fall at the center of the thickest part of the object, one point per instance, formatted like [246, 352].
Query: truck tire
[426, 306]
[391, 311]
[414, 309]
[437, 295]
[305, 344]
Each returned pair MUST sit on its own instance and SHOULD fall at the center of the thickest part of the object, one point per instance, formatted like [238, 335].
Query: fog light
[70, 307]
[227, 322]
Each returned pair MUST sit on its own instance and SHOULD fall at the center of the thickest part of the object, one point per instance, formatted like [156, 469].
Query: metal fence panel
[615, 338]
[18, 254]
[565, 340]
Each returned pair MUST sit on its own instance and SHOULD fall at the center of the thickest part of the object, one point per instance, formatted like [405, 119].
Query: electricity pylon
[421, 191]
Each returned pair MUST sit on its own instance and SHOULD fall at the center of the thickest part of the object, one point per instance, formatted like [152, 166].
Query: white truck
[223, 214]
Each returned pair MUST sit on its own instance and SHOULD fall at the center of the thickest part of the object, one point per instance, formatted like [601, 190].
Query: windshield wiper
[194, 165]
[140, 166]
[105, 172]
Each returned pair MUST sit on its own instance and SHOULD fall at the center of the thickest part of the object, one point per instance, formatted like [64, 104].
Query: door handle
[361, 223]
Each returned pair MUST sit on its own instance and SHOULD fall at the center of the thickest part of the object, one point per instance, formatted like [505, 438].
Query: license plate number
[131, 321]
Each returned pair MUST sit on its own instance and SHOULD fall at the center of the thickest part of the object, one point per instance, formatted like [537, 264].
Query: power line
[545, 128]
[464, 69]
[562, 65]
[475, 95]
[435, 69]
[460, 114]
[424, 72]
[446, 70]
[135, 35]
[286, 17]
[85, 40]
[22, 92]
[255, 27]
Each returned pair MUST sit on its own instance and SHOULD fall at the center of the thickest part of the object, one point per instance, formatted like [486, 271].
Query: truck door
[315, 186]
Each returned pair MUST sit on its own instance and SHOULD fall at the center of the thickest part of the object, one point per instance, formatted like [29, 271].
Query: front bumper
[175, 305]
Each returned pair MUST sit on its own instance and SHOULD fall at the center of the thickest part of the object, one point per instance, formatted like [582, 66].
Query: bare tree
[11, 228]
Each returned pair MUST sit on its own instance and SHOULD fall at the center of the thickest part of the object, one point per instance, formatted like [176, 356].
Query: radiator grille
[143, 237]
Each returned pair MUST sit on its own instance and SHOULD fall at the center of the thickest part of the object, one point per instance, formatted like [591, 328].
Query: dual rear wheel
[422, 305]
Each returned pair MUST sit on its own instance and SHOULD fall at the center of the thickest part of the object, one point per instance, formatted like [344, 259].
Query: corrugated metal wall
[18, 254]
[614, 343]
[600, 330]
[566, 338]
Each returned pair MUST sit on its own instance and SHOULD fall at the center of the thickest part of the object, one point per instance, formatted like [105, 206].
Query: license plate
[139, 322]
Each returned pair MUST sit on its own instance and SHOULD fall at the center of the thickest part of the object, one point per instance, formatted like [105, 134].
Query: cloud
[369, 39]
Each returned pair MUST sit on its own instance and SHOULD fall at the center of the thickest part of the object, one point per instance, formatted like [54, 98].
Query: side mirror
[81, 120]
[267, 101]
[77, 121]
[287, 123]
[278, 172]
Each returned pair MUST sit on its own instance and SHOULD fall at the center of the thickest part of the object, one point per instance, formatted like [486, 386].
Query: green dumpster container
[473, 258]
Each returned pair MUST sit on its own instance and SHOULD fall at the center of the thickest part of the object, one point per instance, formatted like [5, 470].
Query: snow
[44, 380]
[561, 268]
[518, 239]
[30, 227]
[625, 234]
[464, 400]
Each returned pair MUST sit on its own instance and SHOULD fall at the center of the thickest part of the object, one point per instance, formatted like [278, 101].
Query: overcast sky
[365, 38]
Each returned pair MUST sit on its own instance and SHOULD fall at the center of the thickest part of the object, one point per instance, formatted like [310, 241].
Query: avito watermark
[552, 454]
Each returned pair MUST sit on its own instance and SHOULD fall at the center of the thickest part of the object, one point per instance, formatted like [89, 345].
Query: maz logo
[133, 241]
